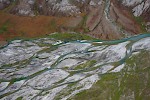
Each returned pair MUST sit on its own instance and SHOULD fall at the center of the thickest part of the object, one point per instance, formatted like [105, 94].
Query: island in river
[74, 49]
[51, 68]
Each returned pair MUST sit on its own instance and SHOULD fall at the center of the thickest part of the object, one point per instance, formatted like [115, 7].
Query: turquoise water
[43, 68]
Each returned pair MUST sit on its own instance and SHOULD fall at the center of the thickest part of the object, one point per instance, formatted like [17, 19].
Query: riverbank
[52, 68]
[72, 36]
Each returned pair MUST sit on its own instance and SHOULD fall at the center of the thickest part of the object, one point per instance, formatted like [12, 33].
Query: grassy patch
[82, 24]
[52, 25]
[86, 65]
[133, 82]
[4, 27]
[19, 98]
[141, 22]
[101, 90]
[70, 36]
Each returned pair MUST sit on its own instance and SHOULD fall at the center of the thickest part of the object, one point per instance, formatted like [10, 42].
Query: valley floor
[54, 69]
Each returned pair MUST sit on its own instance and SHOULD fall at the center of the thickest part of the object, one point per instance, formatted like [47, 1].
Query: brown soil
[125, 18]
[30, 27]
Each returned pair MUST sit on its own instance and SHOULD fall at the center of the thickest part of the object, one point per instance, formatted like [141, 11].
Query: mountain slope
[105, 19]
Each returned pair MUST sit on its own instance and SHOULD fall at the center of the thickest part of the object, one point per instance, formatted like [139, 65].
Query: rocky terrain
[50, 69]
[53, 57]
[105, 19]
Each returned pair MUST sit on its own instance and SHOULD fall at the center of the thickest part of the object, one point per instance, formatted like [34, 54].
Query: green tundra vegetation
[133, 82]
[70, 36]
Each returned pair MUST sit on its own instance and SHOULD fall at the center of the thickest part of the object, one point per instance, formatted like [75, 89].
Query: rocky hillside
[105, 19]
